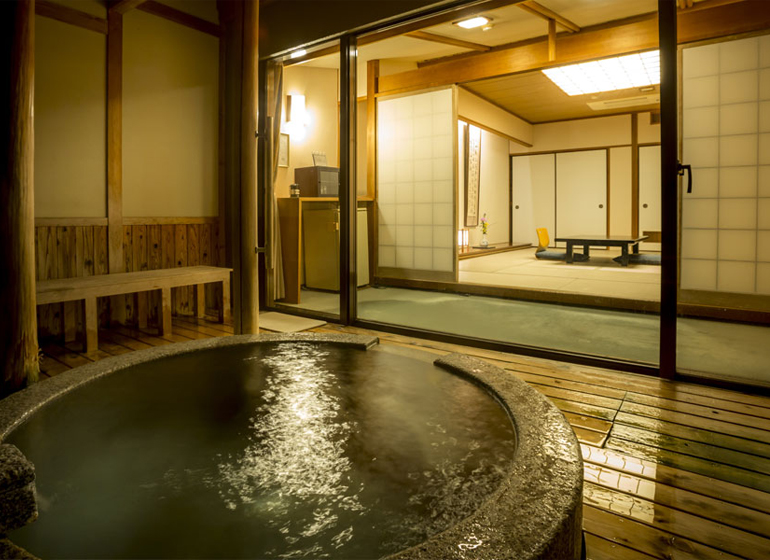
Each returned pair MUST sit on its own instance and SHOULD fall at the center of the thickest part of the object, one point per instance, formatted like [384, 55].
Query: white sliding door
[649, 193]
[581, 193]
[534, 191]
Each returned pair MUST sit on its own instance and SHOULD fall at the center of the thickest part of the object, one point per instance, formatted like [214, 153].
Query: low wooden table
[622, 241]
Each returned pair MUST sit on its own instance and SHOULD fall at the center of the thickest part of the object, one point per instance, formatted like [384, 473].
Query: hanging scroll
[472, 175]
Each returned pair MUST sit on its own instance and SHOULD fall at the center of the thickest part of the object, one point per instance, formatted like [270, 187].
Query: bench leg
[141, 309]
[200, 301]
[570, 248]
[165, 313]
[92, 325]
[224, 310]
[70, 320]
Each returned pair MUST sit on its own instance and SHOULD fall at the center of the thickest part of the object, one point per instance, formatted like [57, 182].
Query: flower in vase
[484, 224]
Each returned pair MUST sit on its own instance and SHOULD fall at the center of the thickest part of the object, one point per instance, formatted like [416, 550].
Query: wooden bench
[88, 288]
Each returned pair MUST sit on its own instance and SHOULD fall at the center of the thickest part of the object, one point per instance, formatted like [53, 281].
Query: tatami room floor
[672, 470]
[599, 276]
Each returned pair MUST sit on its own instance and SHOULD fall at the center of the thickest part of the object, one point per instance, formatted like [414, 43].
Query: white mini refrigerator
[321, 248]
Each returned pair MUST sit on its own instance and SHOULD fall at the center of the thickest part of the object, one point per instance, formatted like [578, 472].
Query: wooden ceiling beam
[69, 15]
[123, 6]
[706, 4]
[541, 11]
[628, 36]
[180, 17]
[425, 36]
[477, 8]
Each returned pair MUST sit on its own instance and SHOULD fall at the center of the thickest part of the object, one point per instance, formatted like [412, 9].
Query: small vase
[484, 241]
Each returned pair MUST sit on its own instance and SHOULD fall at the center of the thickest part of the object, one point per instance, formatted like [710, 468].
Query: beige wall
[577, 134]
[70, 120]
[319, 86]
[170, 118]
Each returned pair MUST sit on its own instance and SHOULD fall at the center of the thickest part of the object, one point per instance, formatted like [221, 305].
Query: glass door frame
[667, 16]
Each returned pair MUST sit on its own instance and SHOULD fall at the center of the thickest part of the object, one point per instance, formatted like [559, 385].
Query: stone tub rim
[528, 516]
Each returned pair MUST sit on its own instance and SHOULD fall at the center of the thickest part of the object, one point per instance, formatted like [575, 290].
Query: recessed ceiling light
[470, 23]
[611, 74]
[298, 53]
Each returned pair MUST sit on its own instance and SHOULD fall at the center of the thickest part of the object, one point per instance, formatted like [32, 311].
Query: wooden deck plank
[647, 539]
[586, 388]
[584, 409]
[677, 498]
[682, 524]
[51, 366]
[67, 357]
[141, 336]
[186, 331]
[694, 448]
[598, 548]
[117, 338]
[587, 422]
[699, 410]
[201, 329]
[737, 430]
[720, 471]
[193, 322]
[586, 398]
[694, 434]
[711, 402]
[678, 478]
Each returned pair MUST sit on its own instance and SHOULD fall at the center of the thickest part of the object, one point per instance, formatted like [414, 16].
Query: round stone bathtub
[295, 446]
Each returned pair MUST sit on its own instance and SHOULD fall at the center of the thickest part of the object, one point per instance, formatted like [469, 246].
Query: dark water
[288, 451]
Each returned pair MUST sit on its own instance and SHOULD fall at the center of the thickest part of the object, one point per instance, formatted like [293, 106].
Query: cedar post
[239, 21]
[18, 329]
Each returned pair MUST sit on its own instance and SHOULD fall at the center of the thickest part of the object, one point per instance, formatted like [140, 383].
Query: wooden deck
[672, 470]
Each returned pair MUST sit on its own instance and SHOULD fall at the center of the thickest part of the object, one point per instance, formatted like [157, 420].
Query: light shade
[470, 23]
[610, 74]
[298, 53]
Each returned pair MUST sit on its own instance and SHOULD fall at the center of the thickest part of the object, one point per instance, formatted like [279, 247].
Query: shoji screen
[415, 185]
[726, 139]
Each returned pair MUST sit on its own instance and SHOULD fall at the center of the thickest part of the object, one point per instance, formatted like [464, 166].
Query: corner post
[18, 329]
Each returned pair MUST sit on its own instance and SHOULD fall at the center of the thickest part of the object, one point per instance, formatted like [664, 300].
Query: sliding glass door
[724, 290]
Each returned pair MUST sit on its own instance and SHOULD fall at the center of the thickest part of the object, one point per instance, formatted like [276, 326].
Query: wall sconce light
[297, 116]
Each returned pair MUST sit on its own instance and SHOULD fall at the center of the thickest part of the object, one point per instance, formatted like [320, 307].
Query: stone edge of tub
[536, 512]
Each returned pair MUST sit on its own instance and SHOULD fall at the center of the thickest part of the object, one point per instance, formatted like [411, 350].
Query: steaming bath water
[286, 450]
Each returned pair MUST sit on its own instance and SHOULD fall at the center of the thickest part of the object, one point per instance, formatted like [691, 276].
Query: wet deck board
[672, 470]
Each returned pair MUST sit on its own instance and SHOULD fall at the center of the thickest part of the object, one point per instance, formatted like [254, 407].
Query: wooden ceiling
[536, 99]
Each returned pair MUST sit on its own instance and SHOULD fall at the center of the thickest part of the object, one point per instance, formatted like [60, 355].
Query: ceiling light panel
[610, 74]
[473, 22]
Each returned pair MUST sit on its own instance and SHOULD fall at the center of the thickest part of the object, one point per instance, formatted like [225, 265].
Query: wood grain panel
[183, 295]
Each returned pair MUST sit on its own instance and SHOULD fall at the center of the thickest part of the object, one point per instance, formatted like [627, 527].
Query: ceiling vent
[636, 101]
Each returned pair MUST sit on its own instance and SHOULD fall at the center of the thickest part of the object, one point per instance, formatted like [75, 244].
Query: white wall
[70, 121]
[473, 108]
[170, 118]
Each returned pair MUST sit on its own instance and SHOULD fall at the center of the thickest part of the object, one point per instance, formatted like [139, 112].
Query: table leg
[624, 256]
[587, 251]
[636, 248]
[569, 252]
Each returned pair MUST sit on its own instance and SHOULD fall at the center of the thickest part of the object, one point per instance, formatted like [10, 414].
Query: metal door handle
[644, 206]
[517, 207]
[680, 169]
[601, 206]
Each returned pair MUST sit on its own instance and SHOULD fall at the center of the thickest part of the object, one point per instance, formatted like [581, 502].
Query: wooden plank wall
[66, 251]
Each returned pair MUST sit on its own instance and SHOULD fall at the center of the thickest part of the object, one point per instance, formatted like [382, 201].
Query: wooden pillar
[551, 40]
[239, 21]
[18, 328]
[635, 174]
[115, 157]
[249, 301]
